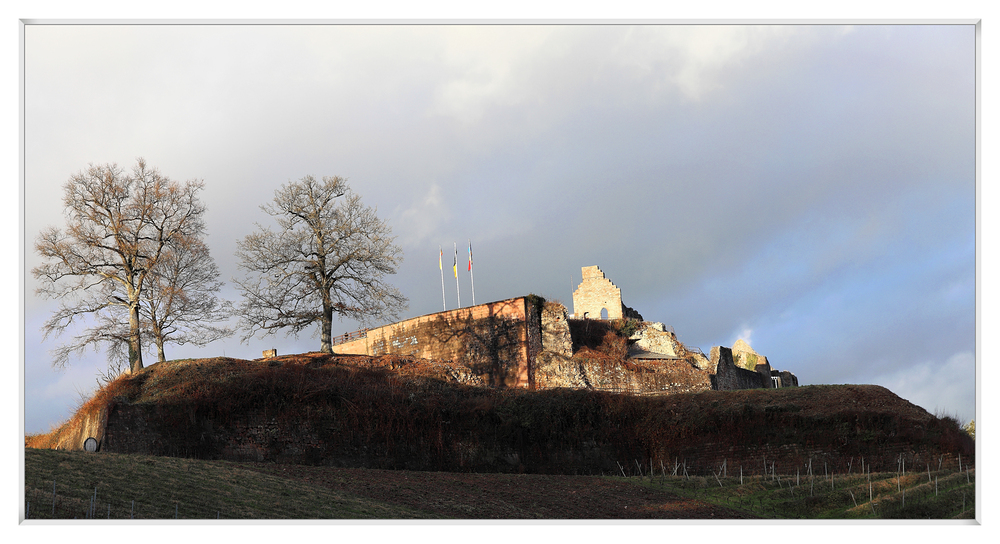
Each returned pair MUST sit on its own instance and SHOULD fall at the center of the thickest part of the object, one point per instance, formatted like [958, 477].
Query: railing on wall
[348, 336]
[696, 349]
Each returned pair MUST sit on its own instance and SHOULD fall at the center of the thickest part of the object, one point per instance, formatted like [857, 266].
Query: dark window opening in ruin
[586, 315]
[777, 381]
[604, 314]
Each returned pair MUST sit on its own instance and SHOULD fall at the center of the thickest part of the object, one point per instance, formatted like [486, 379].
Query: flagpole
[441, 267]
[455, 266]
[471, 276]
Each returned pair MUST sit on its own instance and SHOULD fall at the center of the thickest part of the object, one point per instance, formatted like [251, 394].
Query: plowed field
[503, 496]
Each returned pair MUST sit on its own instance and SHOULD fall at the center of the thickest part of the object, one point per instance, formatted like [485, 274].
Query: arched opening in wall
[604, 314]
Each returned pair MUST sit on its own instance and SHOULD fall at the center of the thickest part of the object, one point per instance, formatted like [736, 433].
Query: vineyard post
[853, 499]
[741, 474]
[960, 462]
[935, 486]
[928, 472]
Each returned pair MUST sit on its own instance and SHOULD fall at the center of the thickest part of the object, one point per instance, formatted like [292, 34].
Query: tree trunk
[325, 345]
[159, 349]
[134, 342]
[157, 334]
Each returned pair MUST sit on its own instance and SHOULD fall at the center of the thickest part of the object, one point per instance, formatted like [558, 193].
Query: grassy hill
[394, 412]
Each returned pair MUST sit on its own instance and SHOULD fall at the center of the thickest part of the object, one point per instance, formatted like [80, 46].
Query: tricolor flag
[470, 256]
[440, 256]
[454, 265]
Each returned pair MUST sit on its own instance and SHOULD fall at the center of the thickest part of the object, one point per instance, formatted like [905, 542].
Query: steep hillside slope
[399, 412]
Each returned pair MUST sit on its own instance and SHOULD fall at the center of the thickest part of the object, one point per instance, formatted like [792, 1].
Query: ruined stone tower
[598, 298]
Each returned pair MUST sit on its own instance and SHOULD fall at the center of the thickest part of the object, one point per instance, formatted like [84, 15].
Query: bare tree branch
[182, 305]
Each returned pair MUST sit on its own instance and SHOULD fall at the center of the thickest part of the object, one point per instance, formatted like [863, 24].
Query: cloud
[945, 387]
[421, 221]
[744, 334]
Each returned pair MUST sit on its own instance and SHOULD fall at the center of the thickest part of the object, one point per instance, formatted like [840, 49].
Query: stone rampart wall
[172, 430]
[494, 339]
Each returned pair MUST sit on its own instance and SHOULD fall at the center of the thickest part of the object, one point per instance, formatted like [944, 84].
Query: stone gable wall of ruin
[595, 293]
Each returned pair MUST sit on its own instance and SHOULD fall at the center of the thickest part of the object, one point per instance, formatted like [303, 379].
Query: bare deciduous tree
[181, 304]
[329, 256]
[119, 225]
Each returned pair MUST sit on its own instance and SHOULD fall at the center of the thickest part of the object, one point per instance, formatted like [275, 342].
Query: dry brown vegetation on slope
[402, 413]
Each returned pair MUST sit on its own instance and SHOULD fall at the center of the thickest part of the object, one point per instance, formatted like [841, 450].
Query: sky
[810, 189]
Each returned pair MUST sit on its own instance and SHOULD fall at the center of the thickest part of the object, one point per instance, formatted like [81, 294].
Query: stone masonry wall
[597, 293]
[493, 339]
[788, 379]
[727, 375]
[556, 337]
[655, 338]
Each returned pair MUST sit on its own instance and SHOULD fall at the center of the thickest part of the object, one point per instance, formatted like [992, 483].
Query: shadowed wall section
[497, 340]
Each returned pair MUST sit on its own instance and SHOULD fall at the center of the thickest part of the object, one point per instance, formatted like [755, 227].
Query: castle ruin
[598, 298]
[530, 343]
